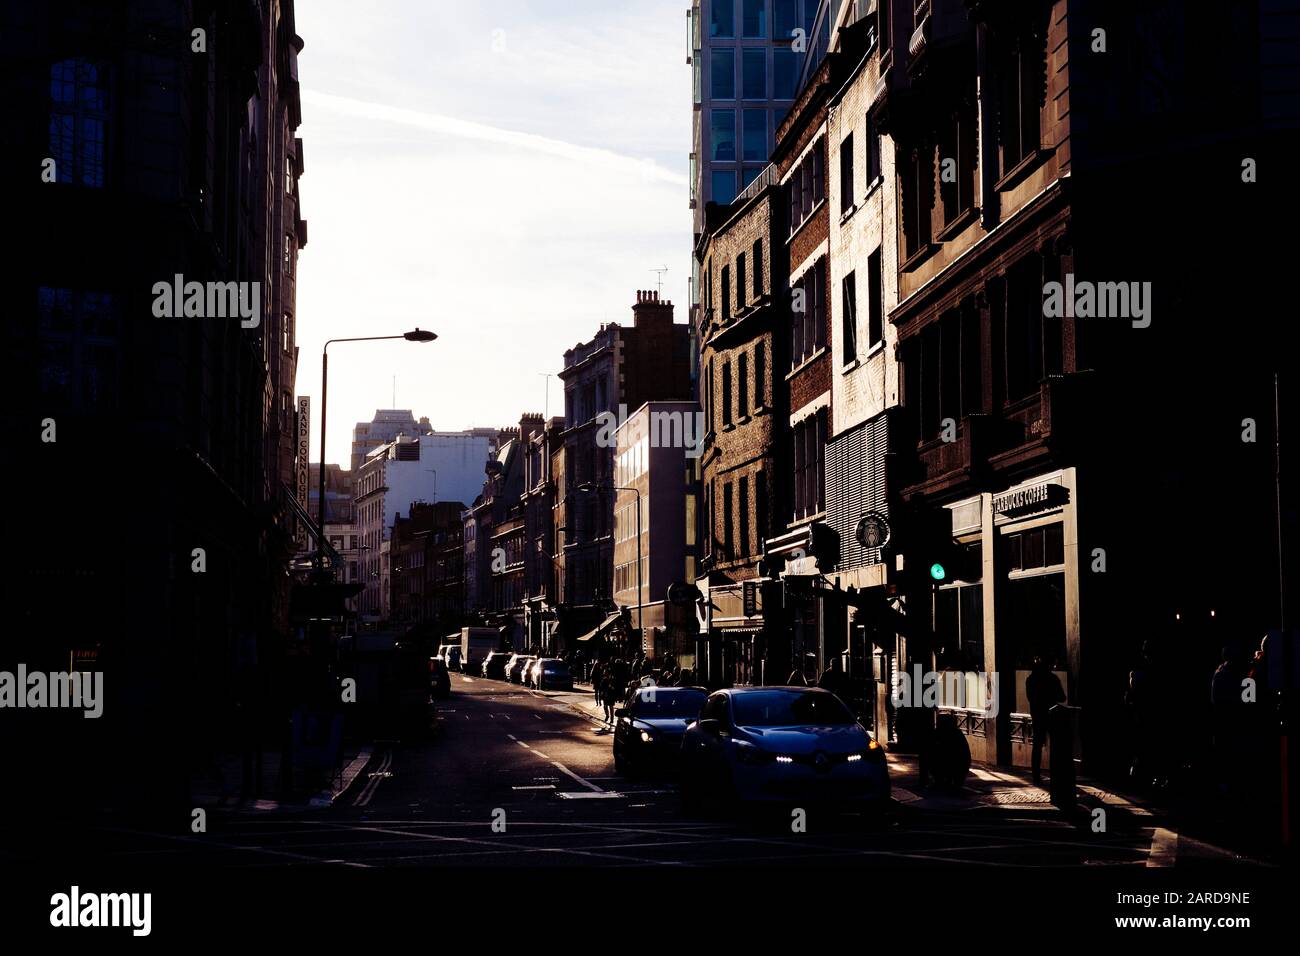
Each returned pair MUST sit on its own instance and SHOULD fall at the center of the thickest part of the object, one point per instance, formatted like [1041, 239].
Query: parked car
[439, 679]
[494, 665]
[550, 673]
[781, 744]
[648, 728]
[515, 668]
[452, 657]
[528, 671]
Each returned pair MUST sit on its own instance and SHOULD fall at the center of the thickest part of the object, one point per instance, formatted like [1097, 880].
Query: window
[79, 113]
[728, 532]
[760, 508]
[755, 134]
[959, 624]
[742, 382]
[760, 374]
[288, 175]
[808, 333]
[809, 449]
[846, 174]
[708, 408]
[942, 371]
[754, 23]
[286, 332]
[78, 338]
[757, 260]
[1036, 549]
[726, 293]
[722, 133]
[806, 186]
[726, 393]
[744, 517]
[749, 174]
[917, 184]
[957, 166]
[724, 74]
[740, 281]
[724, 186]
[722, 23]
[1019, 92]
[850, 319]
[818, 172]
[1024, 328]
[710, 534]
[754, 67]
[875, 301]
[288, 255]
[871, 144]
[785, 18]
[785, 74]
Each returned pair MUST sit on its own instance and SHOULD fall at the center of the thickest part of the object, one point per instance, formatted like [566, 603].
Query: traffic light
[931, 555]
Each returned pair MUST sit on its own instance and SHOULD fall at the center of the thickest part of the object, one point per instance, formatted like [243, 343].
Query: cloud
[467, 129]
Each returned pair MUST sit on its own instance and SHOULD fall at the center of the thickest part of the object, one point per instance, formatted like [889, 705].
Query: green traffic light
[937, 572]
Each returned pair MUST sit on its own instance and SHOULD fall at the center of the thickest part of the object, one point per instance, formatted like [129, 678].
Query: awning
[600, 630]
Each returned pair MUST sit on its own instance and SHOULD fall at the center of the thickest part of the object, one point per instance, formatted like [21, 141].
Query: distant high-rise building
[387, 424]
[746, 56]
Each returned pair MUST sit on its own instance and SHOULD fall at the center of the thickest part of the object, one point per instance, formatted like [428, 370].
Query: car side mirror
[620, 711]
[710, 725]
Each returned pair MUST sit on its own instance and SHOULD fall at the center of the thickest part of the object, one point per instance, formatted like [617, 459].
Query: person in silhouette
[945, 754]
[1043, 688]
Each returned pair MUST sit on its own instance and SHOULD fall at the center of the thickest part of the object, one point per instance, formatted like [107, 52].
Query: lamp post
[415, 335]
[588, 486]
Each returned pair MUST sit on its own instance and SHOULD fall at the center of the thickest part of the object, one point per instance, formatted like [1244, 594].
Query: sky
[505, 173]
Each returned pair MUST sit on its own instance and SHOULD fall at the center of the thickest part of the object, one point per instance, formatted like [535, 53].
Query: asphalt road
[514, 778]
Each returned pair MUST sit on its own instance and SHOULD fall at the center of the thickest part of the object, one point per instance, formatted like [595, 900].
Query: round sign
[872, 530]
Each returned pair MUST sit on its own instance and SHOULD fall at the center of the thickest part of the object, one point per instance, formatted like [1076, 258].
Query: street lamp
[415, 335]
[589, 486]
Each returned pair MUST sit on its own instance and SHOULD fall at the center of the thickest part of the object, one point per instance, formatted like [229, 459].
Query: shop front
[1019, 603]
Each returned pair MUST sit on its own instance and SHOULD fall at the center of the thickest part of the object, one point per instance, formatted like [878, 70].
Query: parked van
[476, 643]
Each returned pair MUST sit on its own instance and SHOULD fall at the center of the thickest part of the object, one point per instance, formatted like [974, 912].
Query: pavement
[219, 787]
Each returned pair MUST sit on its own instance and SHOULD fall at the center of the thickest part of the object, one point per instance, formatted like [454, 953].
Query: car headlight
[646, 736]
[782, 758]
[874, 753]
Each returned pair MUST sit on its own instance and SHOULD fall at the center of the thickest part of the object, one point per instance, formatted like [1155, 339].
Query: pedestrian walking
[597, 675]
[1227, 704]
[1043, 688]
[610, 698]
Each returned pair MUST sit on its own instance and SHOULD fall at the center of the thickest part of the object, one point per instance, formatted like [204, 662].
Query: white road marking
[581, 795]
[1164, 848]
[468, 680]
[540, 786]
[586, 783]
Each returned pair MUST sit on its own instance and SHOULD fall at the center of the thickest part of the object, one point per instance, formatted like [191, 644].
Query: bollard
[1061, 765]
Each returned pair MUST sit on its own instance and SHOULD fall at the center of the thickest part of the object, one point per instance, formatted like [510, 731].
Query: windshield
[668, 704]
[554, 667]
[776, 708]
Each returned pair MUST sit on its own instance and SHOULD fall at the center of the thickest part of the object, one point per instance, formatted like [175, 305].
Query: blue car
[794, 745]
